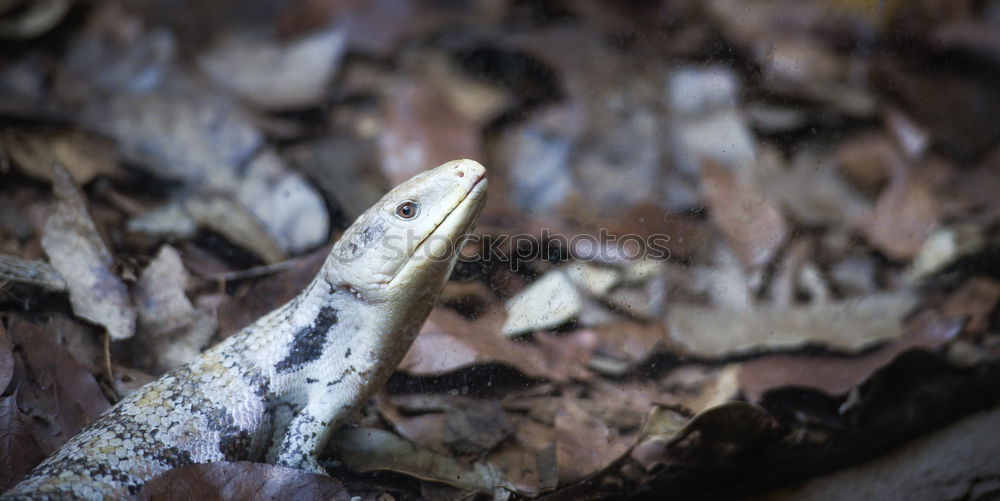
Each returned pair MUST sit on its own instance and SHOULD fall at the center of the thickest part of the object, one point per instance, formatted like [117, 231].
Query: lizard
[276, 390]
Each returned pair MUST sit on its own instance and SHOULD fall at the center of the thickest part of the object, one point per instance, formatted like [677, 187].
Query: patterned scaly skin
[277, 389]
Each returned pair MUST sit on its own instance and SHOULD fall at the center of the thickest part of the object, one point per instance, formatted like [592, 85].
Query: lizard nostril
[460, 173]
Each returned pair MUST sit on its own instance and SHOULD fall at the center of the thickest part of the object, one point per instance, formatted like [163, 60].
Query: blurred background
[820, 180]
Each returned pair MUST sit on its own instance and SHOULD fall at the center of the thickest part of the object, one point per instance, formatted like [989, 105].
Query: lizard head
[410, 239]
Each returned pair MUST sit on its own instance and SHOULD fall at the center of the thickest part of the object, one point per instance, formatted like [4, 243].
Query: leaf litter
[821, 200]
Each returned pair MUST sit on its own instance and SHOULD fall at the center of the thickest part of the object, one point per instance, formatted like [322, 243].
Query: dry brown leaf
[811, 189]
[959, 112]
[585, 444]
[474, 427]
[82, 340]
[628, 340]
[19, 451]
[58, 393]
[867, 159]
[379, 26]
[621, 404]
[851, 325]
[976, 301]
[78, 253]
[753, 226]
[6, 360]
[838, 375]
[906, 214]
[445, 345]
[368, 449]
[713, 437]
[529, 458]
[253, 301]
[83, 154]
[697, 387]
[424, 428]
[421, 128]
[477, 100]
[241, 480]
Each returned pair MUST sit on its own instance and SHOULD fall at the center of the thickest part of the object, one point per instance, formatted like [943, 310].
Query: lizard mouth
[452, 228]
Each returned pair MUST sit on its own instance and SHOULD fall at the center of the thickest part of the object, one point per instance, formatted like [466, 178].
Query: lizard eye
[406, 210]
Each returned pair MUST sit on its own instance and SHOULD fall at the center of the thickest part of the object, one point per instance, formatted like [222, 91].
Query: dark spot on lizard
[341, 378]
[173, 456]
[307, 343]
[259, 381]
[236, 446]
[352, 249]
[372, 232]
[347, 354]
[310, 380]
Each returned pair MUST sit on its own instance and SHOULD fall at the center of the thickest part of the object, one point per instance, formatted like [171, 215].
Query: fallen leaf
[538, 167]
[473, 428]
[444, 345]
[868, 159]
[6, 360]
[36, 273]
[714, 437]
[696, 387]
[19, 451]
[78, 253]
[272, 73]
[368, 449]
[811, 189]
[905, 215]
[753, 226]
[255, 300]
[548, 302]
[172, 331]
[83, 154]
[241, 480]
[529, 458]
[628, 340]
[62, 393]
[380, 26]
[646, 302]
[708, 125]
[912, 139]
[595, 279]
[177, 137]
[850, 325]
[976, 301]
[838, 375]
[959, 112]
[944, 247]
[584, 444]
[342, 167]
[161, 302]
[421, 128]
[232, 220]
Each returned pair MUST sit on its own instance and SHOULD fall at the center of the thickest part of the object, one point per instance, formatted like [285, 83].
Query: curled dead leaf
[77, 251]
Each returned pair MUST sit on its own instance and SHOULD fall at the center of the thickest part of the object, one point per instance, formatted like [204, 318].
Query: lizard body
[277, 389]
